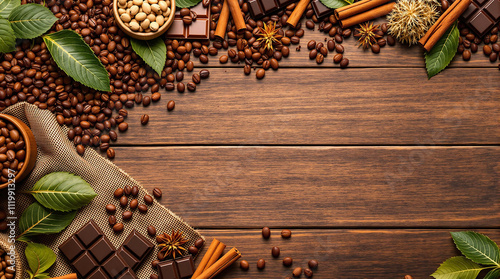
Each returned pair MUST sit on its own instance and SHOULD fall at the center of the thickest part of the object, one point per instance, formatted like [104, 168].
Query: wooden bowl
[142, 35]
[31, 151]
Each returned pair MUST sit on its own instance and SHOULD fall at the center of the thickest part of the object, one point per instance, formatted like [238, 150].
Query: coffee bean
[199, 243]
[244, 265]
[191, 86]
[287, 261]
[170, 105]
[118, 193]
[275, 251]
[181, 87]
[143, 208]
[112, 220]
[127, 189]
[193, 250]
[151, 231]
[80, 149]
[223, 59]
[144, 119]
[266, 232]
[148, 199]
[118, 227]
[155, 263]
[155, 97]
[111, 208]
[337, 58]
[310, 24]
[123, 127]
[260, 73]
[344, 63]
[157, 193]
[111, 153]
[133, 204]
[127, 215]
[297, 272]
[286, 233]
[204, 74]
[308, 273]
[391, 41]
[196, 78]
[487, 50]
[466, 55]
[313, 264]
[311, 44]
[375, 48]
[312, 54]
[135, 191]
[123, 201]
[261, 264]
[320, 58]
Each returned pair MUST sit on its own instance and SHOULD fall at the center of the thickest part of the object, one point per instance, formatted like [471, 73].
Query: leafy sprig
[40, 258]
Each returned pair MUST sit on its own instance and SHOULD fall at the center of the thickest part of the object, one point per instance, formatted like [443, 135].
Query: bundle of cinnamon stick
[227, 7]
[362, 11]
[212, 264]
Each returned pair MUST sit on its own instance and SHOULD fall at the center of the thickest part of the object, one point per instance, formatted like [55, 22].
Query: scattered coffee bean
[170, 105]
[191, 86]
[118, 227]
[260, 73]
[308, 273]
[275, 251]
[111, 153]
[135, 191]
[313, 264]
[157, 193]
[148, 199]
[143, 208]
[261, 264]
[127, 190]
[118, 193]
[266, 232]
[133, 204]
[204, 74]
[151, 231]
[123, 201]
[286, 233]
[344, 63]
[244, 265]
[297, 272]
[193, 250]
[110, 208]
[127, 215]
[199, 243]
[287, 261]
[144, 119]
[112, 220]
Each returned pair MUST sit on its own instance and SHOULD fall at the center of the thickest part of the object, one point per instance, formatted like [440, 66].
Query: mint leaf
[7, 37]
[335, 4]
[443, 52]
[457, 268]
[37, 220]
[40, 258]
[186, 3]
[6, 7]
[31, 20]
[493, 274]
[477, 247]
[77, 59]
[153, 52]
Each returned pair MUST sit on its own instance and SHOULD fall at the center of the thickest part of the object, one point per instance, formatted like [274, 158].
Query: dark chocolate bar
[93, 256]
[182, 268]
[261, 8]
[320, 10]
[199, 29]
[135, 249]
[482, 16]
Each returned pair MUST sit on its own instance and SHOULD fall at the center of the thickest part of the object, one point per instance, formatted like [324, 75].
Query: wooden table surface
[370, 167]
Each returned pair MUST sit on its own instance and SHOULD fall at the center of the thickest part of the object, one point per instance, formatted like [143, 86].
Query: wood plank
[245, 187]
[343, 253]
[327, 106]
[390, 56]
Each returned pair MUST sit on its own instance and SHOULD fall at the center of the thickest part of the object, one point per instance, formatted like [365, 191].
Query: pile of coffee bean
[12, 150]
[123, 195]
[7, 266]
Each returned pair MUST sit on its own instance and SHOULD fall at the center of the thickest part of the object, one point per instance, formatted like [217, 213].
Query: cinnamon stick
[357, 8]
[297, 13]
[226, 260]
[211, 250]
[216, 255]
[444, 22]
[220, 31]
[67, 276]
[235, 9]
[366, 16]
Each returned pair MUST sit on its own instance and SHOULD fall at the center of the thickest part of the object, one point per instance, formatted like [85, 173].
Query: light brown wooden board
[342, 253]
[322, 187]
[327, 107]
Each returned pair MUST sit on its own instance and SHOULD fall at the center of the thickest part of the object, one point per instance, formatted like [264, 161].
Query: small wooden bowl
[31, 151]
[142, 35]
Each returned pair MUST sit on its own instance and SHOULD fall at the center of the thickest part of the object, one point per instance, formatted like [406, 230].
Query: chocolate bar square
[261, 8]
[198, 29]
[182, 268]
[481, 16]
[320, 10]
[135, 249]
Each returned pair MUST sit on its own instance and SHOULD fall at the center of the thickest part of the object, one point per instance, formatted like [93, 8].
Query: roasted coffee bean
[275, 251]
[375, 48]
[144, 119]
[148, 199]
[170, 105]
[266, 232]
[193, 250]
[181, 87]
[320, 58]
[204, 74]
[118, 228]
[261, 264]
[127, 215]
[123, 201]
[196, 78]
[112, 220]
[157, 193]
[155, 97]
[143, 208]
[308, 273]
[223, 59]
[313, 264]
[135, 191]
[80, 149]
[311, 44]
[260, 73]
[199, 243]
[133, 204]
[337, 58]
[312, 54]
[110, 208]
[287, 261]
[127, 189]
[191, 86]
[151, 231]
[155, 263]
[297, 272]
[111, 153]
[391, 41]
[344, 63]
[123, 126]
[244, 265]
[493, 57]
[118, 193]
[466, 55]
[286, 233]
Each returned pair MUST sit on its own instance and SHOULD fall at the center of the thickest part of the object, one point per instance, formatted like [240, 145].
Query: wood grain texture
[327, 107]
[323, 187]
[342, 253]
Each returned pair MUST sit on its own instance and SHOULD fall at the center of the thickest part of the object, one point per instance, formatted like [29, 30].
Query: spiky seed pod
[410, 19]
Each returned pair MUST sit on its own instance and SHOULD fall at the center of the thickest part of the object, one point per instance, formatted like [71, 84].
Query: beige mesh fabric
[57, 153]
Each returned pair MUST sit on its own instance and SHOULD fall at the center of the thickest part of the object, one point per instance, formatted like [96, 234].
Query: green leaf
[31, 20]
[7, 37]
[186, 3]
[477, 247]
[493, 274]
[457, 268]
[443, 52]
[153, 52]
[38, 220]
[6, 7]
[335, 4]
[43, 276]
[40, 258]
[62, 191]
[76, 58]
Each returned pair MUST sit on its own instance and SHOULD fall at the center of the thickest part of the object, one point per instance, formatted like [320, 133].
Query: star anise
[367, 34]
[170, 245]
[268, 36]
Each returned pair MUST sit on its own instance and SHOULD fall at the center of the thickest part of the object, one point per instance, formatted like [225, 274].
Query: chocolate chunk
[261, 8]
[482, 16]
[182, 268]
[198, 29]
[135, 249]
[320, 10]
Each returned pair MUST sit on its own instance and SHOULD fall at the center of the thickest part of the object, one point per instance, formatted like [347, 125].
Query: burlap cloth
[57, 153]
